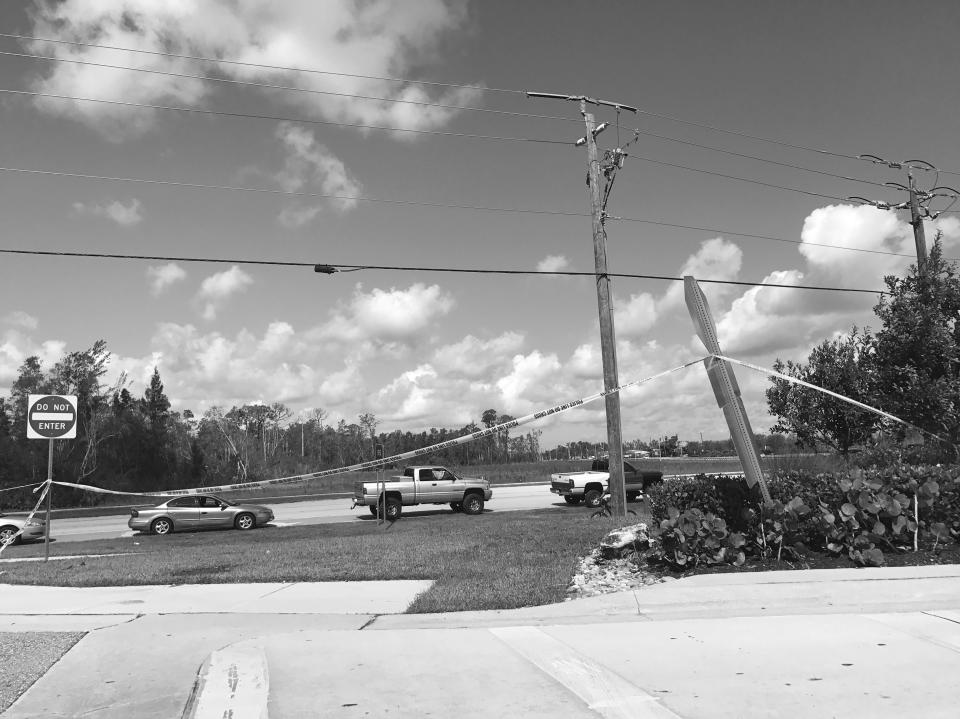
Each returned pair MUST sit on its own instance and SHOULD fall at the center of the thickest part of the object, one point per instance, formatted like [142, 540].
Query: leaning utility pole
[608, 344]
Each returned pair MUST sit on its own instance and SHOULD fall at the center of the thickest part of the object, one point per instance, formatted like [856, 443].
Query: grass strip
[493, 561]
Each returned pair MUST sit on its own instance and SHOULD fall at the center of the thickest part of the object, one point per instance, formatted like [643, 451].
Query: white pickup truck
[423, 485]
[589, 487]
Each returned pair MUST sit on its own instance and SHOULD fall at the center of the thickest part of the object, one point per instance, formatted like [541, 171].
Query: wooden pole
[916, 221]
[608, 344]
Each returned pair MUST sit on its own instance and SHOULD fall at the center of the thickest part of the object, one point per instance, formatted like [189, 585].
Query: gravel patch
[596, 575]
[27, 656]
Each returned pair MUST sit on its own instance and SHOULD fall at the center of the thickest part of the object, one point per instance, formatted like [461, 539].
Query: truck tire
[572, 500]
[632, 496]
[473, 503]
[394, 509]
[592, 498]
[374, 510]
[456, 506]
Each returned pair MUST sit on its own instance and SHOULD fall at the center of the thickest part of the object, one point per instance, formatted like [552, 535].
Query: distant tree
[843, 366]
[156, 403]
[369, 422]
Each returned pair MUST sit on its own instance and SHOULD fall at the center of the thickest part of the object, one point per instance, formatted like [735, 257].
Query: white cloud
[387, 318]
[216, 289]
[374, 38]
[19, 318]
[553, 263]
[715, 259]
[162, 276]
[201, 369]
[767, 321]
[475, 359]
[16, 346]
[308, 165]
[124, 215]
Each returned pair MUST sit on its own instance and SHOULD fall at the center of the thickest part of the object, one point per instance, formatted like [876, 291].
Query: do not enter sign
[52, 416]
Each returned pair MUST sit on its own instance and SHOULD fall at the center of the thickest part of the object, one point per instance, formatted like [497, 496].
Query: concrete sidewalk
[832, 643]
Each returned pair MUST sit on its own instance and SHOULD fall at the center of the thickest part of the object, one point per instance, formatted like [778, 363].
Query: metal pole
[46, 533]
[608, 343]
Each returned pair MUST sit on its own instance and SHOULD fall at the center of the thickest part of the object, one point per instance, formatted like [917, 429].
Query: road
[506, 498]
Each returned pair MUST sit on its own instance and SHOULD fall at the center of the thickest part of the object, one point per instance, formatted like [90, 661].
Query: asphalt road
[506, 498]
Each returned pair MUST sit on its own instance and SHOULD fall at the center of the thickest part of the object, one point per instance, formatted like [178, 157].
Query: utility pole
[608, 344]
[917, 221]
[918, 202]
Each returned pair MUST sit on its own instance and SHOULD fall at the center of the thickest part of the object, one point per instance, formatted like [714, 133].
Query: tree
[841, 366]
[917, 350]
[156, 403]
[369, 422]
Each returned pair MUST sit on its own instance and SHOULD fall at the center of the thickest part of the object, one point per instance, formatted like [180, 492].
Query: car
[29, 529]
[198, 511]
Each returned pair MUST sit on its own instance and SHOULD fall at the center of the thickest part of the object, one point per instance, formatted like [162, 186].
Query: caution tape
[22, 486]
[374, 463]
[861, 405]
[43, 494]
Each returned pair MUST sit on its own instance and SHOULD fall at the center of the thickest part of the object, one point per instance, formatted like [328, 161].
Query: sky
[826, 80]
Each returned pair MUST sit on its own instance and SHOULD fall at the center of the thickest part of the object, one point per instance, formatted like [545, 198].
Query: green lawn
[493, 561]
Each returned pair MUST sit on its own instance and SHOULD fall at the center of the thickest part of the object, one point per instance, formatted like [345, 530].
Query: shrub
[692, 538]
[850, 513]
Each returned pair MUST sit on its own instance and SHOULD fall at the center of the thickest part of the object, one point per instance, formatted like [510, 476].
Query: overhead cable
[277, 118]
[734, 177]
[330, 269]
[320, 195]
[283, 68]
[292, 88]
[479, 88]
[288, 193]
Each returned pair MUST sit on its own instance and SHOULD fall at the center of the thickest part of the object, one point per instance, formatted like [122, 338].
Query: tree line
[138, 444]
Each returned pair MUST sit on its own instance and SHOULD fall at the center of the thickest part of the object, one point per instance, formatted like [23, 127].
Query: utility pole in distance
[608, 345]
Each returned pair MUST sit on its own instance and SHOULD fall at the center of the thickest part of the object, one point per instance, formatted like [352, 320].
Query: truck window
[408, 472]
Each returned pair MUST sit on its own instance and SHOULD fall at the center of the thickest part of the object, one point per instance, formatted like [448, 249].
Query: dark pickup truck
[589, 487]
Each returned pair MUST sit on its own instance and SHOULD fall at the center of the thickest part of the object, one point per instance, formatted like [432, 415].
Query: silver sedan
[198, 511]
[16, 528]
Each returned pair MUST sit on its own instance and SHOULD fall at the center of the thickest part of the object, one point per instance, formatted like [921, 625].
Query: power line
[288, 193]
[250, 83]
[221, 61]
[480, 88]
[757, 237]
[754, 157]
[333, 269]
[278, 118]
[734, 177]
[311, 121]
[320, 195]
[737, 133]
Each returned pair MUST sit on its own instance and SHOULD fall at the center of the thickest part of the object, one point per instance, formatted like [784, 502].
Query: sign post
[725, 387]
[381, 486]
[50, 417]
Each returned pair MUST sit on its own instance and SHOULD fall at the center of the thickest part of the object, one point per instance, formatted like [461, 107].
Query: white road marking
[605, 692]
[233, 683]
